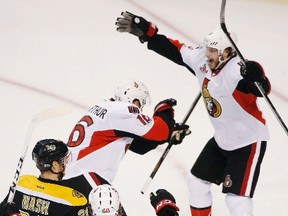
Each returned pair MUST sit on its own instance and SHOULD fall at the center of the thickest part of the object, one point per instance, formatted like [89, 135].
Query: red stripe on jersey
[151, 30]
[206, 211]
[176, 43]
[248, 103]
[248, 170]
[98, 140]
[159, 131]
[95, 178]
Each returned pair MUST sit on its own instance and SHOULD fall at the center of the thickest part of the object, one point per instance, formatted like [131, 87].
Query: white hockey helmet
[219, 40]
[129, 90]
[104, 200]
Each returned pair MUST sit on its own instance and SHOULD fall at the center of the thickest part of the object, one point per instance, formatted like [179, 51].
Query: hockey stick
[38, 118]
[261, 90]
[163, 156]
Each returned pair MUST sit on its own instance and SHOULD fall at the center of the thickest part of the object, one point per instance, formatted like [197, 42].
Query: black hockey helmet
[48, 150]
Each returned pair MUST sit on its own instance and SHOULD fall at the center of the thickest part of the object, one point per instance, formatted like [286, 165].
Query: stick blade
[52, 112]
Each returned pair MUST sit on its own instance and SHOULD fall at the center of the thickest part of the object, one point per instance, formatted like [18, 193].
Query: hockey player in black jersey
[48, 194]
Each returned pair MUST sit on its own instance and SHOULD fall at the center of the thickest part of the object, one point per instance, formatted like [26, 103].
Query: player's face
[137, 103]
[212, 57]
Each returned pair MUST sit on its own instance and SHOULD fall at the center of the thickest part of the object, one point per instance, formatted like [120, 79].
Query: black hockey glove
[9, 209]
[136, 25]
[179, 132]
[252, 71]
[165, 105]
[164, 203]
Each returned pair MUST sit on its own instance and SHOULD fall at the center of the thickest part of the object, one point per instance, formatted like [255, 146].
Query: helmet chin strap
[221, 62]
[60, 174]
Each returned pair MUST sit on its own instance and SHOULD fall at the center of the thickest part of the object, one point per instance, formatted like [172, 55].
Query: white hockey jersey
[101, 138]
[235, 116]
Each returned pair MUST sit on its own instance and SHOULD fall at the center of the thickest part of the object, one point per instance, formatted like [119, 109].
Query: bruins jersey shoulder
[36, 197]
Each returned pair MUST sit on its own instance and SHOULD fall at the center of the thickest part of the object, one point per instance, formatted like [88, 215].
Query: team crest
[227, 182]
[213, 106]
[105, 210]
[204, 69]
[136, 85]
[77, 194]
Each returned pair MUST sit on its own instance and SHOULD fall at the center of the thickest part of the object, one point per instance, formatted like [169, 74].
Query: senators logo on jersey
[213, 107]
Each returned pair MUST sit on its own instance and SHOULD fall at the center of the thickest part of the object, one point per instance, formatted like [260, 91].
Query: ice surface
[68, 51]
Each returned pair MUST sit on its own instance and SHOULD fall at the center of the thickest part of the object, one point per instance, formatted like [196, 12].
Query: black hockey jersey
[37, 196]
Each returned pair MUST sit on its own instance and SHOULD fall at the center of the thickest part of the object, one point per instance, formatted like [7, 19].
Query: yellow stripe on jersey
[57, 193]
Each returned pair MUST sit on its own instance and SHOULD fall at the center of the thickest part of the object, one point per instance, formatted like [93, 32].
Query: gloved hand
[252, 71]
[9, 209]
[179, 132]
[164, 105]
[164, 203]
[136, 25]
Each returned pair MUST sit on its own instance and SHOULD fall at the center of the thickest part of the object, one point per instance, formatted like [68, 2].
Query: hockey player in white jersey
[104, 200]
[101, 138]
[233, 156]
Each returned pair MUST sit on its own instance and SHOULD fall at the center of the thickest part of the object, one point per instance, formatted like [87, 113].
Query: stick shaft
[273, 109]
[261, 90]
[40, 117]
[166, 151]
[21, 161]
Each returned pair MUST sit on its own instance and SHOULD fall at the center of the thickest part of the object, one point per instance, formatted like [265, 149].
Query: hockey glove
[9, 209]
[179, 132]
[164, 203]
[136, 25]
[165, 105]
[252, 71]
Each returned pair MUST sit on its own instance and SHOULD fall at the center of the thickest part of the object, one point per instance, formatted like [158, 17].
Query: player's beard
[212, 63]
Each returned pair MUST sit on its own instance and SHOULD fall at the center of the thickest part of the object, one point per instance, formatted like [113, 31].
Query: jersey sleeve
[168, 48]
[84, 183]
[141, 146]
[135, 124]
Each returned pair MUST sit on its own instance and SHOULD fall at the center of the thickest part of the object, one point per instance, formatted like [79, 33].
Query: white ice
[69, 52]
